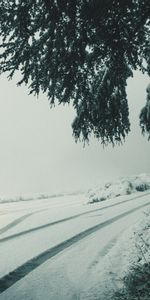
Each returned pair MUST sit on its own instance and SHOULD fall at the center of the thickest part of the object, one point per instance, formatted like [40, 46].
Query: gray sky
[38, 153]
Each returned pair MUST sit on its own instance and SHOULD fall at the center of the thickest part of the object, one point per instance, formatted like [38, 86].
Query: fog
[39, 155]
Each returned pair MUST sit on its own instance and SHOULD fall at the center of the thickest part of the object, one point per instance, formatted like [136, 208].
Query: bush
[136, 284]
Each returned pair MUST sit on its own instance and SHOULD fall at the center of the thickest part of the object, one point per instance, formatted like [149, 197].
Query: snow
[83, 271]
[91, 268]
[39, 213]
[126, 253]
[32, 197]
[121, 186]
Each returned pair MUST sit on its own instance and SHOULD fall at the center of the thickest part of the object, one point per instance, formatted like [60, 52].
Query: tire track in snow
[18, 220]
[14, 223]
[20, 234]
[105, 250]
[20, 272]
[31, 230]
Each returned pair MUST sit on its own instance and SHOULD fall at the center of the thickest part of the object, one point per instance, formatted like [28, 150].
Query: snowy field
[64, 248]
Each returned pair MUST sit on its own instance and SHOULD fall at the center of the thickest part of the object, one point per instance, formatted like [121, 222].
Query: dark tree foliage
[80, 51]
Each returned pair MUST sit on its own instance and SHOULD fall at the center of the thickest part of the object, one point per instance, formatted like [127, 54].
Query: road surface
[51, 247]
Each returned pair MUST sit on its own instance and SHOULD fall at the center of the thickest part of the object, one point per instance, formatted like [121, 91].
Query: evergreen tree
[80, 51]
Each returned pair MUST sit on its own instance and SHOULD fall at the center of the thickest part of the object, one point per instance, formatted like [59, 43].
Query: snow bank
[120, 187]
[32, 197]
[29, 198]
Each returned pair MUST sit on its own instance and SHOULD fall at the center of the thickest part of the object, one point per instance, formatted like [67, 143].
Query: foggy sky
[39, 155]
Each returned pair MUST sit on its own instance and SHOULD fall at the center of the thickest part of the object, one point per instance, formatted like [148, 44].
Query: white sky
[39, 155]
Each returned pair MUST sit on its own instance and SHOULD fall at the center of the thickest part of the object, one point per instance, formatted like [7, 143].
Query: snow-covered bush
[122, 186]
[136, 283]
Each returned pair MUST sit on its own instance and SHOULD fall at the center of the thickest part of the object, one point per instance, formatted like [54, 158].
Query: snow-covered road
[49, 248]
